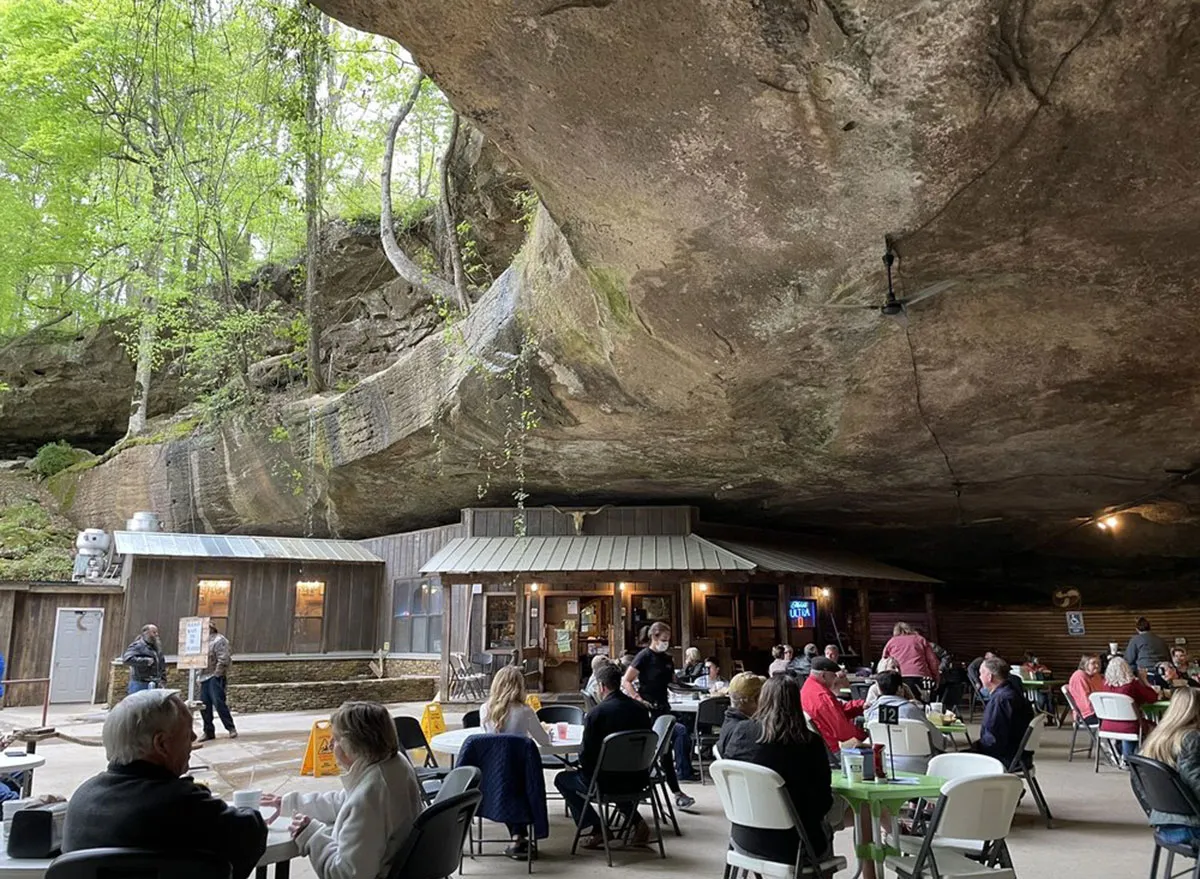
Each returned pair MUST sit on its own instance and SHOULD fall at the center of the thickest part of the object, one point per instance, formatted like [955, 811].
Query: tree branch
[405, 267]
[460, 281]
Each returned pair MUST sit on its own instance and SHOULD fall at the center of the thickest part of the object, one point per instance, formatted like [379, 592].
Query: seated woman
[744, 690]
[711, 680]
[885, 665]
[505, 711]
[1084, 681]
[1176, 742]
[693, 667]
[890, 684]
[781, 656]
[1119, 678]
[373, 813]
[778, 738]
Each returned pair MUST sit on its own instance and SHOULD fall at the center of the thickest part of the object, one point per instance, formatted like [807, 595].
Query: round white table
[451, 742]
[684, 706]
[9, 765]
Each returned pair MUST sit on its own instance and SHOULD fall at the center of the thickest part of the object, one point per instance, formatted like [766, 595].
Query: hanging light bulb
[1102, 525]
[1112, 522]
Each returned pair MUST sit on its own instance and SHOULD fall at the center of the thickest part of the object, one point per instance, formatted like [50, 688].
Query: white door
[76, 655]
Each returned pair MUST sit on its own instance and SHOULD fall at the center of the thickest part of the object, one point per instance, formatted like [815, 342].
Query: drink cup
[563, 731]
[935, 707]
[247, 799]
[1113, 647]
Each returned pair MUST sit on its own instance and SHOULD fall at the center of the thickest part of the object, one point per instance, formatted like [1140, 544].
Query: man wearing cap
[743, 702]
[831, 717]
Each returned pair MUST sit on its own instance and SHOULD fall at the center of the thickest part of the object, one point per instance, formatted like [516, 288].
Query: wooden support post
[930, 616]
[864, 612]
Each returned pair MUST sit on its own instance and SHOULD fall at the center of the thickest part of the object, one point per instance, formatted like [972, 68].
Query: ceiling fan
[893, 306]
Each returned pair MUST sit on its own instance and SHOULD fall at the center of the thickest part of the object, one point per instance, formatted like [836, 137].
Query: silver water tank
[144, 521]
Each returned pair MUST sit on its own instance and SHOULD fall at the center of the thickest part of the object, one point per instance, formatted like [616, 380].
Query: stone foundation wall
[305, 684]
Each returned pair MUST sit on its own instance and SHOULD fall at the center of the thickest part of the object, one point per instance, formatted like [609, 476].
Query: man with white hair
[141, 801]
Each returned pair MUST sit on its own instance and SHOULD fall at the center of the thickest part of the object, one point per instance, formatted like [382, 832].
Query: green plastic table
[1155, 710]
[868, 798]
[1053, 690]
[951, 728]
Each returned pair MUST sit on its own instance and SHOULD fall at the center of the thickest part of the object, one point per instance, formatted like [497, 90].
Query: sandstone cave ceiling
[735, 166]
[714, 175]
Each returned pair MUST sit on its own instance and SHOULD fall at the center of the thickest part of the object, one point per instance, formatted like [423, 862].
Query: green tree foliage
[152, 156]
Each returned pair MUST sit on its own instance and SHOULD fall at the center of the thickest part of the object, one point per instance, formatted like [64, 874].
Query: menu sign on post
[193, 648]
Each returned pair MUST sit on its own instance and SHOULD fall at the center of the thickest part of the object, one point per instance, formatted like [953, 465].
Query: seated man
[802, 665]
[890, 683]
[710, 681]
[141, 801]
[615, 712]
[1006, 715]
[831, 717]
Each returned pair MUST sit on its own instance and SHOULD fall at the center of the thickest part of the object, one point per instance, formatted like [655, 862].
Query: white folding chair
[1114, 706]
[952, 767]
[1031, 743]
[754, 796]
[1077, 724]
[908, 739]
[978, 809]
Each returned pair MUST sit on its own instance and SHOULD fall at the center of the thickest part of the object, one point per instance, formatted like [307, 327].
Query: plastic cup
[247, 799]
[563, 731]
[1112, 647]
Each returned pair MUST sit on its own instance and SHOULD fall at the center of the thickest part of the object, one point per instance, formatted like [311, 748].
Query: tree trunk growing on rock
[404, 266]
[312, 69]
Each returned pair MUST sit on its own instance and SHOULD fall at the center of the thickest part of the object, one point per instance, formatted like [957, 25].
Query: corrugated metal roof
[240, 546]
[832, 563]
[505, 555]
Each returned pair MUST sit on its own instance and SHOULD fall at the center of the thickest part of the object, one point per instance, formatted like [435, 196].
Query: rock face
[719, 174]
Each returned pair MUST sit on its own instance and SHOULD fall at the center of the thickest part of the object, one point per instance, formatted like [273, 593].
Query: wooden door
[560, 643]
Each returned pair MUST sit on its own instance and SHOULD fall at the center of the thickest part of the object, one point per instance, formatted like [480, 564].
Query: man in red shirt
[831, 717]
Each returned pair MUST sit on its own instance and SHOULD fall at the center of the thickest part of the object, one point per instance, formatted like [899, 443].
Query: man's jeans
[138, 686]
[573, 786]
[212, 693]
[681, 744]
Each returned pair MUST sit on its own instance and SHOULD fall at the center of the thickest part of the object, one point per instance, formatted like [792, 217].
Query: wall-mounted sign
[572, 607]
[802, 613]
[1075, 623]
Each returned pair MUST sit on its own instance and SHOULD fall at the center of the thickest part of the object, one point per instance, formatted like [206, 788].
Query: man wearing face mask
[646, 680]
[141, 801]
[147, 667]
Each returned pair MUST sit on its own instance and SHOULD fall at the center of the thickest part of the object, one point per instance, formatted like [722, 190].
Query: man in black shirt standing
[614, 713]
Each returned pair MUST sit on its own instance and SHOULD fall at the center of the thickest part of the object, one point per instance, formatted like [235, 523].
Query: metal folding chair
[1076, 725]
[1159, 787]
[1031, 741]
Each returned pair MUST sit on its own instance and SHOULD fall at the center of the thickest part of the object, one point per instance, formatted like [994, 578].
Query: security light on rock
[1108, 523]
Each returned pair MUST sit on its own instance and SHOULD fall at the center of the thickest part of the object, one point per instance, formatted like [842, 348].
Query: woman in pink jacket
[914, 655]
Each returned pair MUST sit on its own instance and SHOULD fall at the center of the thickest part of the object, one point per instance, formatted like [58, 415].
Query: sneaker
[594, 841]
[207, 737]
[518, 851]
[641, 834]
[683, 801]
[233, 733]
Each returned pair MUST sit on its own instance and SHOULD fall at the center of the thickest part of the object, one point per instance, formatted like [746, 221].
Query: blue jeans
[212, 694]
[138, 686]
[1128, 749]
[1178, 834]
[573, 786]
[681, 742]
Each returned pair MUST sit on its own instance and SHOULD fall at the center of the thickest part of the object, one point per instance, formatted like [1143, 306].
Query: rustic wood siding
[262, 601]
[32, 640]
[1044, 631]
[403, 555]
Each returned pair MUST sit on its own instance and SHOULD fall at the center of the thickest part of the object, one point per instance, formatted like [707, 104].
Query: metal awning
[240, 546]
[831, 563]
[511, 555]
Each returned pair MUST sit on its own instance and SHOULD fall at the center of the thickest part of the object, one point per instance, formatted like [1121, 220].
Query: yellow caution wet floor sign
[318, 756]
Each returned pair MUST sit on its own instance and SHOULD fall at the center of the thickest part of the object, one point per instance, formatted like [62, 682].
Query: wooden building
[579, 582]
[274, 597]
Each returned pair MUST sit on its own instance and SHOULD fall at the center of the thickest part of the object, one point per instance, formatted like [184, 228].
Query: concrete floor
[1099, 831]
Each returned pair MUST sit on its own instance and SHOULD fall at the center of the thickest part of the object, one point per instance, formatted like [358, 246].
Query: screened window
[309, 616]
[417, 616]
[212, 601]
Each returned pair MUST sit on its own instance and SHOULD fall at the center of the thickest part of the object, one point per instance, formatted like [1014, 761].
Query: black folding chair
[664, 727]
[572, 714]
[859, 690]
[710, 714]
[471, 719]
[1076, 726]
[412, 737]
[458, 781]
[434, 847]
[588, 701]
[1160, 788]
[624, 756]
[99, 863]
